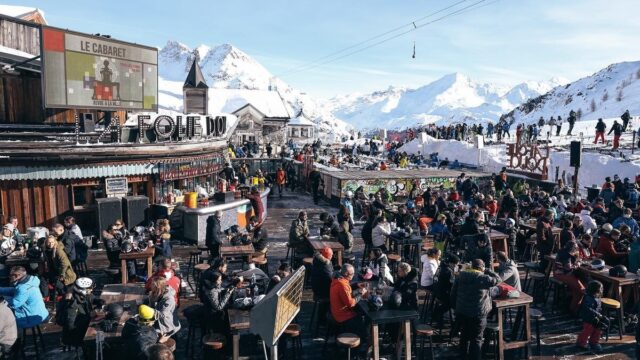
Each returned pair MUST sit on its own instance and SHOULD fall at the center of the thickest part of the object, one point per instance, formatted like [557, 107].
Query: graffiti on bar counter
[399, 187]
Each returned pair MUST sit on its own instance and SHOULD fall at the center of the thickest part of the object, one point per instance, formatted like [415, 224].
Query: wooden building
[56, 162]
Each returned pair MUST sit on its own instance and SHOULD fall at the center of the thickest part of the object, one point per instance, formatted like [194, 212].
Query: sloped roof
[21, 12]
[301, 120]
[195, 79]
[230, 100]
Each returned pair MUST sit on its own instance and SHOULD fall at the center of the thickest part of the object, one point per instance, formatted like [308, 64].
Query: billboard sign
[82, 71]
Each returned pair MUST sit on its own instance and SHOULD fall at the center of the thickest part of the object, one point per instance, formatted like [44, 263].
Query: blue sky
[506, 41]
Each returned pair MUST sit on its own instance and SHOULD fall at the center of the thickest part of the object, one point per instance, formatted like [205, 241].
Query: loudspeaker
[109, 210]
[135, 210]
[576, 154]
[225, 197]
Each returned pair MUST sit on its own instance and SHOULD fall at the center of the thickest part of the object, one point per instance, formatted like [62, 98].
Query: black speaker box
[576, 154]
[135, 210]
[225, 197]
[109, 210]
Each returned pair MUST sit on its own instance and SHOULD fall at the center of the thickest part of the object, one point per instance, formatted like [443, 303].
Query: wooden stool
[194, 259]
[171, 344]
[394, 260]
[194, 315]
[204, 249]
[36, 336]
[538, 285]
[113, 274]
[529, 267]
[530, 249]
[611, 305]
[423, 332]
[291, 254]
[198, 270]
[292, 333]
[349, 341]
[426, 304]
[211, 346]
[537, 316]
[558, 288]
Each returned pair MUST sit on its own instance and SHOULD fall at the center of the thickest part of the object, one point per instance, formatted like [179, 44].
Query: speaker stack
[135, 210]
[109, 210]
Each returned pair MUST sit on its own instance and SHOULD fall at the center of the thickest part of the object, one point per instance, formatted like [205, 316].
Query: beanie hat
[327, 253]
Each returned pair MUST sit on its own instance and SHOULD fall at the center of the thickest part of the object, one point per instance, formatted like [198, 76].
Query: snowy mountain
[452, 98]
[227, 67]
[607, 93]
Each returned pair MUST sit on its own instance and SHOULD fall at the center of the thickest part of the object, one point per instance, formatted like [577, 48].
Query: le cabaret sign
[165, 128]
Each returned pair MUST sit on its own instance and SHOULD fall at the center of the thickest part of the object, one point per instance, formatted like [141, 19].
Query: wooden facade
[22, 36]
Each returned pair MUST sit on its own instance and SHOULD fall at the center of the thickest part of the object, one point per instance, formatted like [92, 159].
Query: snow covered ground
[595, 165]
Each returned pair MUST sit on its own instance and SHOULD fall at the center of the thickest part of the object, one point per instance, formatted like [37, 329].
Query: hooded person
[162, 299]
[138, 333]
[76, 311]
[406, 286]
[508, 270]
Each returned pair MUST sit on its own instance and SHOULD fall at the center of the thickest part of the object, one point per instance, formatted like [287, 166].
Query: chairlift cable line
[457, 12]
[371, 38]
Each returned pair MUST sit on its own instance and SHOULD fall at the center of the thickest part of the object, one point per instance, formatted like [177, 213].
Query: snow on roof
[229, 100]
[18, 11]
[301, 121]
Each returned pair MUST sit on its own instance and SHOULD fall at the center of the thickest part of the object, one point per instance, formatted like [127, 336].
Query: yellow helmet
[146, 312]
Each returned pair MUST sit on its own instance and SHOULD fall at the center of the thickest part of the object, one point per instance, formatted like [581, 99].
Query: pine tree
[593, 106]
[605, 96]
[619, 96]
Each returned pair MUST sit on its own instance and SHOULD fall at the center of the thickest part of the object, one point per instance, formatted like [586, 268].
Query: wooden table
[239, 320]
[136, 255]
[498, 240]
[530, 228]
[382, 317]
[18, 259]
[337, 248]
[126, 295]
[616, 283]
[241, 251]
[500, 305]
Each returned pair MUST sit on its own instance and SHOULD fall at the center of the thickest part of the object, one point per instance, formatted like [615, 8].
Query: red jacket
[492, 208]
[341, 301]
[608, 251]
[280, 177]
[454, 196]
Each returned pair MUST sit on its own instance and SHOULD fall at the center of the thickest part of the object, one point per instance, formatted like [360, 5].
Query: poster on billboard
[82, 71]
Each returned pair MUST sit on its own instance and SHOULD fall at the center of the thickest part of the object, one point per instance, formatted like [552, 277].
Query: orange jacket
[341, 301]
[280, 177]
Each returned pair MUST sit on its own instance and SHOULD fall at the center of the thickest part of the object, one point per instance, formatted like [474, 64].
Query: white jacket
[587, 221]
[429, 268]
[380, 233]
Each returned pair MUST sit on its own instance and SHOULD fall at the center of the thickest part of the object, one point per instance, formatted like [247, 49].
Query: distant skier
[558, 125]
[600, 128]
[617, 131]
[552, 124]
[625, 120]
[505, 129]
[572, 121]
[541, 122]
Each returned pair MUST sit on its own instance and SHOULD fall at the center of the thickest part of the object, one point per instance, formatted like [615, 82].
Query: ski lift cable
[372, 38]
[454, 13]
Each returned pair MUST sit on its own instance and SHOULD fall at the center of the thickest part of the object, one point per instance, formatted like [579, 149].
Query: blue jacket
[590, 309]
[631, 222]
[26, 302]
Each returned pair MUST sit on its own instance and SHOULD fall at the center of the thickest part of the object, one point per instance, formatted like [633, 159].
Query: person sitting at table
[566, 262]
[345, 238]
[138, 333]
[8, 328]
[330, 226]
[342, 302]
[491, 205]
[472, 305]
[299, 235]
[284, 270]
[606, 247]
[379, 264]
[60, 273]
[592, 318]
[406, 287]
[545, 238]
[404, 219]
[216, 299]
[471, 224]
[578, 227]
[165, 271]
[626, 219]
[24, 298]
[430, 263]
[585, 246]
[162, 298]
[480, 248]
[162, 239]
[566, 234]
[7, 240]
[258, 234]
[442, 287]
[76, 311]
[430, 209]
[508, 270]
[381, 229]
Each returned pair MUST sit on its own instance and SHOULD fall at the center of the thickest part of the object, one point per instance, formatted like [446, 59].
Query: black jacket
[616, 129]
[443, 284]
[315, 178]
[69, 240]
[483, 253]
[137, 339]
[470, 227]
[408, 287]
[367, 229]
[590, 309]
[469, 188]
[509, 205]
[430, 211]
[77, 316]
[601, 126]
[321, 274]
[405, 220]
[471, 292]
[214, 231]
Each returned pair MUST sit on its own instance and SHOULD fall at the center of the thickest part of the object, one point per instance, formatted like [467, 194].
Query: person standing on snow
[617, 132]
[600, 128]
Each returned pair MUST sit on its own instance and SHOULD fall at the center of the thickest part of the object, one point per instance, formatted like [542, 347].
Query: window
[86, 195]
